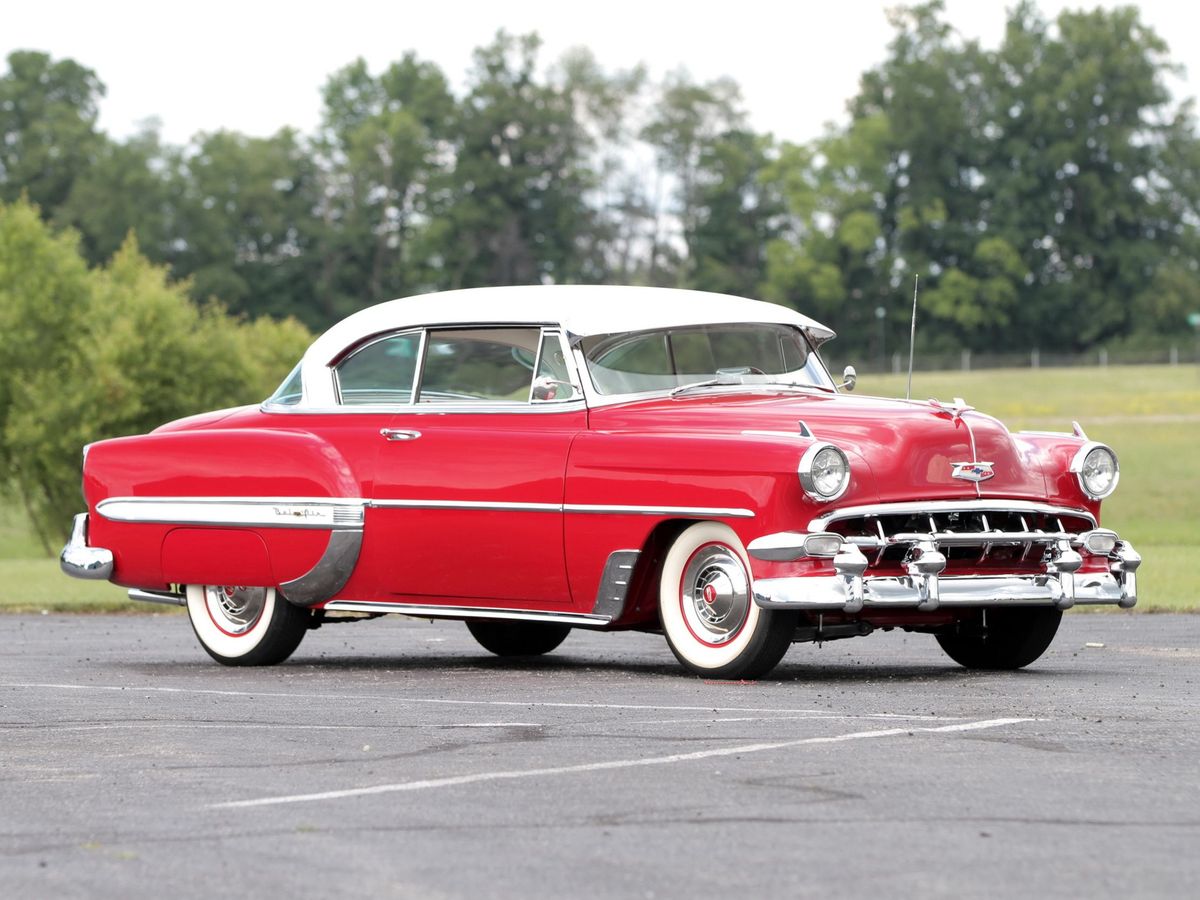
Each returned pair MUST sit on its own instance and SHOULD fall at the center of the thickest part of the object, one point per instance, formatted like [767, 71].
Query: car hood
[907, 446]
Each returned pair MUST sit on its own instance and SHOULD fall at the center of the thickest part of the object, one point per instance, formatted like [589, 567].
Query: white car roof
[580, 309]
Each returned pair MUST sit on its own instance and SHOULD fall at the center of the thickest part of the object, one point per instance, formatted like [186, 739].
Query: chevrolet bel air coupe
[535, 459]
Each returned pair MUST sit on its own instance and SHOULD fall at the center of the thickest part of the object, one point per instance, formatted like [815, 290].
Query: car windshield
[667, 359]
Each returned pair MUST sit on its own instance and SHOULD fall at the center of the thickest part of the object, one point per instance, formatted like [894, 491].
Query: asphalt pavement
[395, 758]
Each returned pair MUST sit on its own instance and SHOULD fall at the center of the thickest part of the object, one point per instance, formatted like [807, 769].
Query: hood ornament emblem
[972, 471]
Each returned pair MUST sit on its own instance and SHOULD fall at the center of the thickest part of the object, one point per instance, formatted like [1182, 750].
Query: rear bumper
[850, 591]
[81, 561]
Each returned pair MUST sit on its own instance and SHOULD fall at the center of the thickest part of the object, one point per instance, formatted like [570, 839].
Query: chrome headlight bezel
[811, 464]
[1079, 466]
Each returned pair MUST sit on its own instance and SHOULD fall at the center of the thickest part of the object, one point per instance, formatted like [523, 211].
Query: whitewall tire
[706, 604]
[245, 626]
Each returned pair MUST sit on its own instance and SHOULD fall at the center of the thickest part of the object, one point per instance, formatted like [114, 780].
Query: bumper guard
[81, 561]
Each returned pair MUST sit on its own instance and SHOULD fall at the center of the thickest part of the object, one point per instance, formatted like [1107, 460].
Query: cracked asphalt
[395, 758]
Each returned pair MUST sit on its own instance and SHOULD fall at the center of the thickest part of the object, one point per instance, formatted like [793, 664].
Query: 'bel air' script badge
[972, 471]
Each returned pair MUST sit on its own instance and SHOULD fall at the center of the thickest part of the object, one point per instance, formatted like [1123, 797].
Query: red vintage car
[535, 459]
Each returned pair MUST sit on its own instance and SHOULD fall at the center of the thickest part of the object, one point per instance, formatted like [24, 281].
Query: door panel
[468, 506]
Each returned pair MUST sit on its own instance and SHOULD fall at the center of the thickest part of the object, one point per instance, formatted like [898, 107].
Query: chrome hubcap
[235, 610]
[715, 594]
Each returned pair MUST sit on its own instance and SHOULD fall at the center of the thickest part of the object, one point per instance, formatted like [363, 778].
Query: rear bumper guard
[81, 561]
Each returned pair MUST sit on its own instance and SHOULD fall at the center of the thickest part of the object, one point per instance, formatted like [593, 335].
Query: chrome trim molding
[614, 584]
[265, 512]
[81, 561]
[338, 513]
[167, 597]
[465, 504]
[821, 522]
[690, 512]
[425, 611]
[330, 573]
[787, 546]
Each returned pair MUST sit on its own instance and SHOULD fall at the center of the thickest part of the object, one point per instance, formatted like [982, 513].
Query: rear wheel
[707, 607]
[508, 638]
[245, 626]
[1011, 638]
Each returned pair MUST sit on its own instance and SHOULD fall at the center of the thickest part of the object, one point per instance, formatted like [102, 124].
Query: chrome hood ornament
[972, 471]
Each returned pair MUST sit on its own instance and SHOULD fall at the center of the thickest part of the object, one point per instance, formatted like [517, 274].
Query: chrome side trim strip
[347, 512]
[690, 512]
[464, 504]
[821, 522]
[614, 583]
[81, 561]
[330, 573]
[266, 512]
[158, 597]
[427, 611]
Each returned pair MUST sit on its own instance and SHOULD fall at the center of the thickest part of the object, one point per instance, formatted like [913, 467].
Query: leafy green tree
[107, 352]
[686, 119]
[48, 131]
[130, 186]
[383, 142]
[246, 223]
[513, 209]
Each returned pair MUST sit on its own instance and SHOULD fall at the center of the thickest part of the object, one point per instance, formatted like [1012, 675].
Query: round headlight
[824, 472]
[1095, 465]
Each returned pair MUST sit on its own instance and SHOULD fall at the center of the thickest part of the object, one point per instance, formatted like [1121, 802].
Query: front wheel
[1008, 638]
[706, 604]
[245, 626]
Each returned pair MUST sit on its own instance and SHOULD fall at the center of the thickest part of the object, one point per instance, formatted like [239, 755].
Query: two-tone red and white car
[535, 459]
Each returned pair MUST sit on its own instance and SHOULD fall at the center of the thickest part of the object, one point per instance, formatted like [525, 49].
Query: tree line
[1046, 191]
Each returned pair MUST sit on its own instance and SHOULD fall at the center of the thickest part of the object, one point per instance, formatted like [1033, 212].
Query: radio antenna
[912, 338]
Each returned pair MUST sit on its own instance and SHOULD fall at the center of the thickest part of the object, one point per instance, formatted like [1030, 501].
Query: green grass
[1149, 414]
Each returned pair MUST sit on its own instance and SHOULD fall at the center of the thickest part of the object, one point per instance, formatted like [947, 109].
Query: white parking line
[439, 701]
[458, 780]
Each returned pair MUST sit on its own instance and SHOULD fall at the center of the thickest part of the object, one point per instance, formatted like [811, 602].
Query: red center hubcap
[710, 594]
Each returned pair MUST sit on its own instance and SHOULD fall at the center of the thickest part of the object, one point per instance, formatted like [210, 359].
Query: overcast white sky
[257, 66]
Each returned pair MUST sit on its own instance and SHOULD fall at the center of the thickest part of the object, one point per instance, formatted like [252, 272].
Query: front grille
[972, 537]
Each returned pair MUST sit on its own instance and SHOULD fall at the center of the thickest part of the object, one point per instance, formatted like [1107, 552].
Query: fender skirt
[331, 572]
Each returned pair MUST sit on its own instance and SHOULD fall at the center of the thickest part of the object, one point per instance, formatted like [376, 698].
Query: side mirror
[849, 378]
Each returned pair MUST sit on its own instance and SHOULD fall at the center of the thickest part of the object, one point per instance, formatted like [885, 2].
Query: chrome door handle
[399, 434]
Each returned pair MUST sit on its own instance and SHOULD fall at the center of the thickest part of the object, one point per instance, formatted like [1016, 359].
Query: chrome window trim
[572, 405]
[821, 522]
[487, 407]
[596, 399]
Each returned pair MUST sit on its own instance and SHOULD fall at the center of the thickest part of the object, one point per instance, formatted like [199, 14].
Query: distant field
[1149, 414]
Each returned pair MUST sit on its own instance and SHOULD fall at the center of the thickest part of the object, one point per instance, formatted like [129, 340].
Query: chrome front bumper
[81, 561]
[924, 588]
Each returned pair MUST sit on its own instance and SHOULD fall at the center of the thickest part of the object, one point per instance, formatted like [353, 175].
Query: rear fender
[226, 506]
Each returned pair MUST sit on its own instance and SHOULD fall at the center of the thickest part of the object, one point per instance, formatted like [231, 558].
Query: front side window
[638, 362]
[482, 364]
